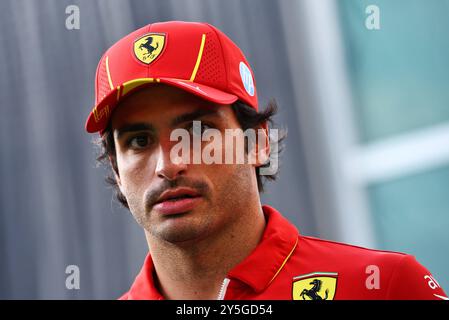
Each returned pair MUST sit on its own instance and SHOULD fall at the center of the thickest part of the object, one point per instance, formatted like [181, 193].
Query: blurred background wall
[367, 110]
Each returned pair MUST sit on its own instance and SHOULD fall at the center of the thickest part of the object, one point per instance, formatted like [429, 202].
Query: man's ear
[262, 146]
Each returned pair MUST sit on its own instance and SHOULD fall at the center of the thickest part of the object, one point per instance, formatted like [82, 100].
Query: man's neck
[197, 270]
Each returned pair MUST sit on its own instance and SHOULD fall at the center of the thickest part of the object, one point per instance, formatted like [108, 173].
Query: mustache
[153, 195]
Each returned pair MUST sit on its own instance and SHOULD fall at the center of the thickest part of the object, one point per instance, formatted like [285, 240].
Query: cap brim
[99, 117]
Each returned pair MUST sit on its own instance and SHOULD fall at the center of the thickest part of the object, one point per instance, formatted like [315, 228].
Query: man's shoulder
[332, 249]
[366, 273]
[351, 262]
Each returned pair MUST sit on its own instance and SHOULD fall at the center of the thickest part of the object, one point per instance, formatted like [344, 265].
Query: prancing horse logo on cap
[149, 47]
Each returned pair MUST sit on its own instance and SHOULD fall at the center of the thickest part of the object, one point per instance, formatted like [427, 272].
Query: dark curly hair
[247, 117]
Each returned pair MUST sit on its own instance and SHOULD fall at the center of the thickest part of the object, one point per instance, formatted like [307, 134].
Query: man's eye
[138, 142]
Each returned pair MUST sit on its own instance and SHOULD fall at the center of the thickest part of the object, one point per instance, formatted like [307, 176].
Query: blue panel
[412, 215]
[399, 73]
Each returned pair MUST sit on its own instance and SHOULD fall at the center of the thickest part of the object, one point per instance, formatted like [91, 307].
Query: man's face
[210, 197]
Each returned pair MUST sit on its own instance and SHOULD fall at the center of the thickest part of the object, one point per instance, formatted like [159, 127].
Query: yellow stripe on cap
[132, 84]
[119, 88]
[198, 59]
[109, 74]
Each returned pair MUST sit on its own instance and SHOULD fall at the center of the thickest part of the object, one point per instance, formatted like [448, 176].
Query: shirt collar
[258, 270]
[144, 286]
[278, 242]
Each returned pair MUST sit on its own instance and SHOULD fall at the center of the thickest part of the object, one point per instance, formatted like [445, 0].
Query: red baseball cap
[193, 56]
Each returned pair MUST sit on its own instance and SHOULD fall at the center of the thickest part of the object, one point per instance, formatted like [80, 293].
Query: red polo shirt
[286, 265]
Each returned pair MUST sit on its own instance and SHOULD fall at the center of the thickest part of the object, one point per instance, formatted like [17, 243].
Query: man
[208, 235]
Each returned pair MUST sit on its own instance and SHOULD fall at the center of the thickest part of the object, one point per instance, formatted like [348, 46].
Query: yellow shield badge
[149, 47]
[315, 286]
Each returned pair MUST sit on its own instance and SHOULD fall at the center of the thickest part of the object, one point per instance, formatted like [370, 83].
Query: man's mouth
[176, 201]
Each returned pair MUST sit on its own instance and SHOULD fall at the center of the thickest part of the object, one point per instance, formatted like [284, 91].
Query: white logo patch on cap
[247, 78]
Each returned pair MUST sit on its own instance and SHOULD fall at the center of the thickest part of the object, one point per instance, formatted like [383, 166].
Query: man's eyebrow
[187, 117]
[133, 127]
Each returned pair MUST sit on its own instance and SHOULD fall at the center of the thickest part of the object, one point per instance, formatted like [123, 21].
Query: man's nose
[165, 167]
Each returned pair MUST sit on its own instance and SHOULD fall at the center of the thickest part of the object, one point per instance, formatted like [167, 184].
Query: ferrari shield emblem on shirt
[149, 47]
[315, 286]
